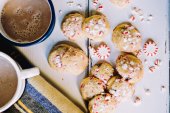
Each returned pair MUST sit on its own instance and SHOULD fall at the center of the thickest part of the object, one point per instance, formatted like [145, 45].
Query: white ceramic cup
[21, 76]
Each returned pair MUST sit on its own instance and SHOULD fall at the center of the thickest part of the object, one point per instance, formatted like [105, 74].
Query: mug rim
[43, 37]
[19, 81]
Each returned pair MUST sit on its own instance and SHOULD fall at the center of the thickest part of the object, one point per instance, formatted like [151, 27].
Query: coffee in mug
[8, 81]
[25, 21]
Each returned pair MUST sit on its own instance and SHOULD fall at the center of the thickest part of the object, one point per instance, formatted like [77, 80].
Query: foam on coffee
[26, 20]
[8, 81]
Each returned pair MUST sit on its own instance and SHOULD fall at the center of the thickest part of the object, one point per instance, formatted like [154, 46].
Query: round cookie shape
[121, 3]
[103, 103]
[103, 71]
[96, 27]
[120, 88]
[90, 87]
[127, 38]
[72, 26]
[68, 59]
[130, 68]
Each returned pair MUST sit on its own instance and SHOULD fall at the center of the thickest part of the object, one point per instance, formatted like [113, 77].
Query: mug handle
[28, 73]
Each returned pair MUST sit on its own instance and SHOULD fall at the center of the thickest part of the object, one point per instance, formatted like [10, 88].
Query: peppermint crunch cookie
[96, 27]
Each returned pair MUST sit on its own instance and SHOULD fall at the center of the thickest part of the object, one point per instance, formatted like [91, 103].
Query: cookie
[90, 87]
[103, 103]
[65, 58]
[120, 89]
[96, 27]
[103, 71]
[121, 3]
[130, 68]
[127, 38]
[72, 26]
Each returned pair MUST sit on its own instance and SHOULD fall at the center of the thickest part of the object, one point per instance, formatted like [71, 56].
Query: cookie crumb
[60, 11]
[79, 6]
[163, 89]
[147, 91]
[137, 100]
[145, 61]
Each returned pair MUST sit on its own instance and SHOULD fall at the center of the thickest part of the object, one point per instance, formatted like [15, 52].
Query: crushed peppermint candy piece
[70, 3]
[100, 7]
[147, 91]
[92, 51]
[137, 100]
[145, 61]
[132, 18]
[157, 62]
[150, 48]
[152, 69]
[95, 2]
[150, 17]
[124, 66]
[79, 6]
[138, 53]
[57, 61]
[60, 11]
[163, 88]
[103, 51]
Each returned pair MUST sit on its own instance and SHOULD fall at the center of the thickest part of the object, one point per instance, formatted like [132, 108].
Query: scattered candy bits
[138, 53]
[158, 62]
[150, 48]
[98, 6]
[103, 51]
[137, 100]
[152, 69]
[138, 13]
[57, 61]
[92, 51]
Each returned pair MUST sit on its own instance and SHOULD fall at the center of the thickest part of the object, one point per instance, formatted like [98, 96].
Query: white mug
[21, 76]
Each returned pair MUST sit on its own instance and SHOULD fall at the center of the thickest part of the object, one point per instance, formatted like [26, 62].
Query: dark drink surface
[26, 20]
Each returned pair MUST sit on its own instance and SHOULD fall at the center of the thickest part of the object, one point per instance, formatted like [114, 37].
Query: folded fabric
[41, 97]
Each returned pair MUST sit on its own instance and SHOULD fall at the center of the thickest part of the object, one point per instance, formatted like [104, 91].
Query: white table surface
[157, 29]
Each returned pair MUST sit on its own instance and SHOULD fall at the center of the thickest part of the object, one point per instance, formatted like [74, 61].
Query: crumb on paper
[137, 100]
[163, 89]
[147, 91]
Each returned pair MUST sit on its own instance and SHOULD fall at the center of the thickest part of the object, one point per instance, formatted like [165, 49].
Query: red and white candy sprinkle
[95, 2]
[150, 48]
[57, 61]
[157, 62]
[152, 69]
[138, 53]
[92, 51]
[103, 51]
[100, 7]
[132, 18]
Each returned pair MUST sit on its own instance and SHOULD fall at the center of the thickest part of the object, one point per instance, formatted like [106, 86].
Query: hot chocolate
[8, 81]
[26, 20]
